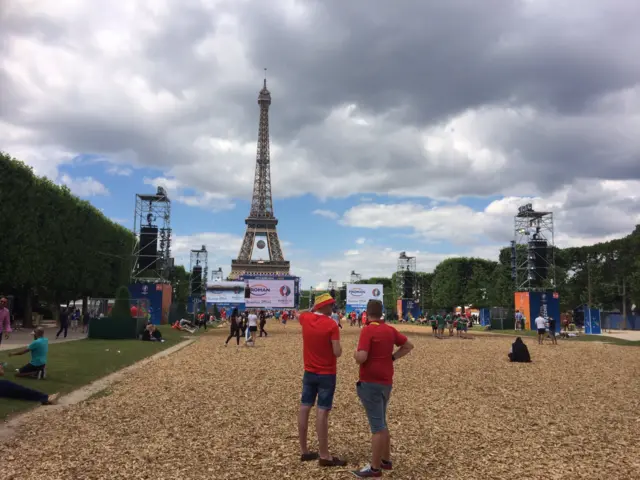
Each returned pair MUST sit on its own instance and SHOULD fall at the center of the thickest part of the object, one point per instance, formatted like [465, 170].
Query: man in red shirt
[375, 357]
[321, 348]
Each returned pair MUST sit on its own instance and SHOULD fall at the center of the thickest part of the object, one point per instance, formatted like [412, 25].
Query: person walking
[5, 319]
[234, 322]
[263, 322]
[321, 349]
[375, 356]
[552, 331]
[64, 322]
[252, 323]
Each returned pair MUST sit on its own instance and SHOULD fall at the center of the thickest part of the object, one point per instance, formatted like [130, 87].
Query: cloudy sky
[407, 125]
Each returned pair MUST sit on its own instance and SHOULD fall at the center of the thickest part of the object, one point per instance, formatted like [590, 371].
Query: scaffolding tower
[406, 278]
[151, 256]
[533, 250]
[199, 269]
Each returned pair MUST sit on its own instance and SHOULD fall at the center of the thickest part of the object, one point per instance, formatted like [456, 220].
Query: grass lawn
[581, 338]
[72, 365]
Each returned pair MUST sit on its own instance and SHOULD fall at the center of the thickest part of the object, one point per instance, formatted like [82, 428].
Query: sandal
[334, 462]
[308, 457]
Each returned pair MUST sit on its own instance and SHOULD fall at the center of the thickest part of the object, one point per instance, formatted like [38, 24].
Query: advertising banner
[270, 293]
[522, 305]
[546, 304]
[359, 294]
[225, 292]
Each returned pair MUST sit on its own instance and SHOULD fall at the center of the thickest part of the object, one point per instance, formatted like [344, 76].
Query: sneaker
[42, 374]
[367, 472]
[386, 465]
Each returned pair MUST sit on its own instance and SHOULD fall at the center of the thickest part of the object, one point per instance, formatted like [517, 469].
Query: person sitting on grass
[8, 389]
[151, 334]
[519, 352]
[38, 348]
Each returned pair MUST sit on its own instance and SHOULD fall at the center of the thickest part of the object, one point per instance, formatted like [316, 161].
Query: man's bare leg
[386, 453]
[322, 429]
[303, 428]
[379, 445]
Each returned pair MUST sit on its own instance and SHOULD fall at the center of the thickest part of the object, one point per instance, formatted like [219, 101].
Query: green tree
[122, 306]
[55, 245]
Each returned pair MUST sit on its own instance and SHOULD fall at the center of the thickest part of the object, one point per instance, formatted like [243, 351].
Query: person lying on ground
[185, 325]
[8, 389]
[38, 349]
[152, 334]
[519, 352]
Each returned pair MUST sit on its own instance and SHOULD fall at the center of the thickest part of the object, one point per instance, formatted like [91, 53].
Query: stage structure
[261, 252]
[532, 251]
[332, 286]
[355, 277]
[406, 278]
[199, 268]
[151, 256]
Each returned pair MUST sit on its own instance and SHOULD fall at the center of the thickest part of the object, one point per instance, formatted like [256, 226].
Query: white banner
[270, 294]
[359, 294]
[225, 292]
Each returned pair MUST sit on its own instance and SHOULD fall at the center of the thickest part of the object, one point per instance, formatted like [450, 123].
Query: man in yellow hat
[321, 348]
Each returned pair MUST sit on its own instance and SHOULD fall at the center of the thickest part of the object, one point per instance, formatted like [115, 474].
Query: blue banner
[150, 300]
[485, 317]
[592, 321]
[545, 304]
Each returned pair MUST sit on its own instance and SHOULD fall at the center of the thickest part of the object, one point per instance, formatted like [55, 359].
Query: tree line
[604, 275]
[55, 247]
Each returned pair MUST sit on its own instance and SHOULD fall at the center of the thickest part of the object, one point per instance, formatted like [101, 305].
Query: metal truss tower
[406, 278]
[261, 233]
[151, 256]
[199, 269]
[532, 250]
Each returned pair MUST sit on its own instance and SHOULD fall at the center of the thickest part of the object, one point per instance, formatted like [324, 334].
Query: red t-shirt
[378, 339]
[317, 333]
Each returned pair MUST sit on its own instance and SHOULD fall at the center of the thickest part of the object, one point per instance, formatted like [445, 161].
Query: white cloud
[119, 171]
[361, 241]
[374, 261]
[327, 214]
[221, 248]
[176, 191]
[84, 187]
[584, 213]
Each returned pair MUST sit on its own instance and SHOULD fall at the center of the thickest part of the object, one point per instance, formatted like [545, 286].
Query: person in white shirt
[541, 325]
[252, 323]
[336, 318]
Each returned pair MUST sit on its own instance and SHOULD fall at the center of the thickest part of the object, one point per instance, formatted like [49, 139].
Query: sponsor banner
[270, 293]
[225, 292]
[359, 294]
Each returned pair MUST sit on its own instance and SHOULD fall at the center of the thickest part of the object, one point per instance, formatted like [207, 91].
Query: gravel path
[459, 411]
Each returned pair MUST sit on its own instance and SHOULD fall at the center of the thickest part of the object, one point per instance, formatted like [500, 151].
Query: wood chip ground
[459, 410]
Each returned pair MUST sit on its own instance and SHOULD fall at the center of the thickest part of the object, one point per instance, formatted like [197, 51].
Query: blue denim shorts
[375, 398]
[321, 386]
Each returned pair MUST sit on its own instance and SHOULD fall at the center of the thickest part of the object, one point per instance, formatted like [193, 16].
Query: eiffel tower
[261, 233]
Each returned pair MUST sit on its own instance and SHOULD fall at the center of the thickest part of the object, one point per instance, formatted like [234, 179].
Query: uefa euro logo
[145, 290]
[375, 292]
[285, 291]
